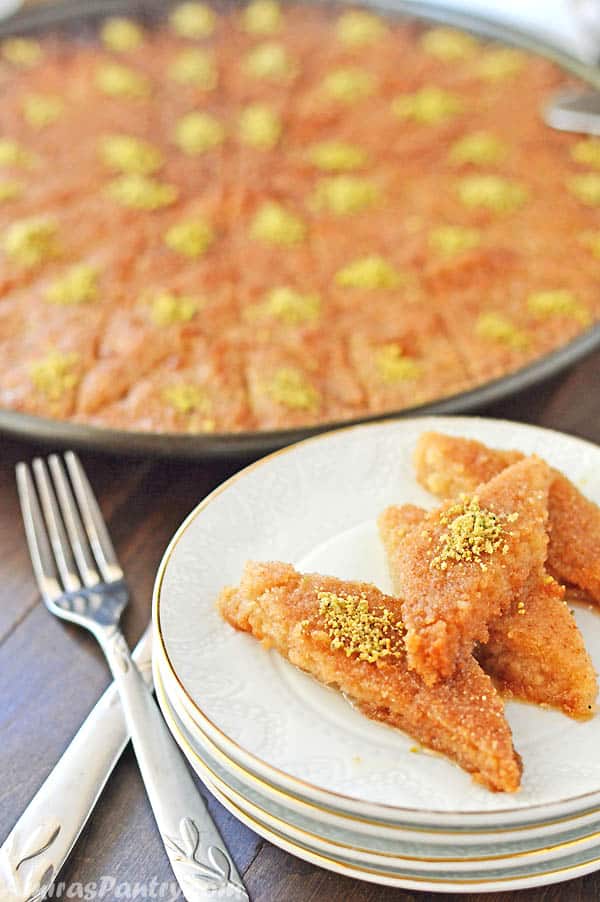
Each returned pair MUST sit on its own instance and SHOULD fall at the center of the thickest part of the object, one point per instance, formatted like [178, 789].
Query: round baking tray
[75, 17]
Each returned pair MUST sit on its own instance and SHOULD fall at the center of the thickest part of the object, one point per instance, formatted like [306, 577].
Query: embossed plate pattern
[301, 737]
[379, 835]
[567, 860]
[377, 849]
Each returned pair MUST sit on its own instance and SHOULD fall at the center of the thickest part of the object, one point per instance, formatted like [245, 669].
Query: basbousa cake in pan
[275, 216]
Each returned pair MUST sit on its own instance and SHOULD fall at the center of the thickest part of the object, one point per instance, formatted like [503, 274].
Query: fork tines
[66, 534]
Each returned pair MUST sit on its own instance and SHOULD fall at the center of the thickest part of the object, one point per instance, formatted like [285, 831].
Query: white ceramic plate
[370, 835]
[526, 848]
[315, 504]
[577, 859]
[567, 868]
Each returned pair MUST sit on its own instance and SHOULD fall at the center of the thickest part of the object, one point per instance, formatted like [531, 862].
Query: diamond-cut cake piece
[447, 466]
[535, 651]
[350, 635]
[466, 563]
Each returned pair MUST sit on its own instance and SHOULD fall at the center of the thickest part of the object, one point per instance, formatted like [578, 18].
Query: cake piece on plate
[466, 563]
[535, 651]
[447, 466]
[350, 635]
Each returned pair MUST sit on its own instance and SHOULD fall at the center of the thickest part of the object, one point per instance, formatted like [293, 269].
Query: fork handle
[193, 844]
[36, 848]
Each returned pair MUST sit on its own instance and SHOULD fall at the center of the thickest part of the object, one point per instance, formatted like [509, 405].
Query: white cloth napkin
[8, 7]
[573, 25]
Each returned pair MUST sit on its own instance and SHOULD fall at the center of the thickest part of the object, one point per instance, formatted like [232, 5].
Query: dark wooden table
[51, 674]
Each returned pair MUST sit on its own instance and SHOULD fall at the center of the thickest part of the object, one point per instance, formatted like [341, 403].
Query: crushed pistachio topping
[371, 272]
[473, 532]
[498, 328]
[270, 61]
[428, 106]
[449, 240]
[121, 34]
[448, 45]
[504, 62]
[169, 309]
[587, 152]
[193, 20]
[207, 424]
[79, 285]
[55, 374]
[125, 153]
[492, 192]
[558, 302]
[30, 242]
[119, 81]
[191, 238]
[262, 17]
[358, 28]
[591, 240]
[337, 156]
[290, 388]
[290, 306]
[141, 192]
[194, 66]
[187, 399]
[198, 132]
[479, 148]
[586, 188]
[21, 52]
[348, 85]
[12, 154]
[274, 224]
[260, 127]
[40, 110]
[393, 366]
[356, 629]
[10, 189]
[344, 194]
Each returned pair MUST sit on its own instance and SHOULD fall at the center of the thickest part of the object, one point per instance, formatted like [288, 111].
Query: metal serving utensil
[81, 581]
[575, 111]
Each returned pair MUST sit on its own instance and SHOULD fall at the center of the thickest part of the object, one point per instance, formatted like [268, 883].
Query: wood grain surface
[51, 674]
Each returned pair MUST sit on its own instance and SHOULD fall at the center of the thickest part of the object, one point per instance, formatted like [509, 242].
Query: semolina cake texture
[447, 466]
[534, 650]
[268, 216]
[466, 562]
[350, 636]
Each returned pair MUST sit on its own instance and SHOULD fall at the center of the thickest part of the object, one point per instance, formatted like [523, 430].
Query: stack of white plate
[291, 758]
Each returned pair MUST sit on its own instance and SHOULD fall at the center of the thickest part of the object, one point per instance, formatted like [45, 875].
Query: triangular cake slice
[467, 562]
[447, 466]
[535, 651]
[350, 635]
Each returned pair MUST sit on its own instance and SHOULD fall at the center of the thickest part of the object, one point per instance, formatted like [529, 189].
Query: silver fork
[80, 580]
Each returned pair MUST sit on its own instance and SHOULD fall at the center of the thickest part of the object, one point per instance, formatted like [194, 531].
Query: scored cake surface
[270, 216]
